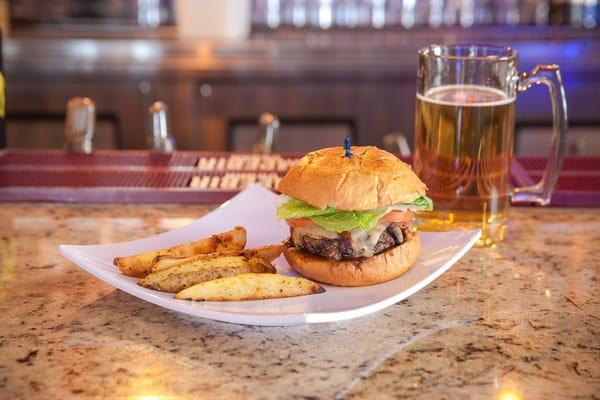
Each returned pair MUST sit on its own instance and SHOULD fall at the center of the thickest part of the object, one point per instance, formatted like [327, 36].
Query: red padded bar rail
[112, 176]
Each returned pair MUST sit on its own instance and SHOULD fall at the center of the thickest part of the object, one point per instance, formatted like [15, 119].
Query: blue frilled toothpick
[347, 147]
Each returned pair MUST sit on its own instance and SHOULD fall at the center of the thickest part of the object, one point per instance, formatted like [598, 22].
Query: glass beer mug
[464, 134]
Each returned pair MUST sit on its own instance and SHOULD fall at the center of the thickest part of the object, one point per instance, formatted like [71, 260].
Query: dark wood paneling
[373, 108]
[39, 99]
[47, 132]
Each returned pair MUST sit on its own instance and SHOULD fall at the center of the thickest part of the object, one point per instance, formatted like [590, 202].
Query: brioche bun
[371, 179]
[361, 271]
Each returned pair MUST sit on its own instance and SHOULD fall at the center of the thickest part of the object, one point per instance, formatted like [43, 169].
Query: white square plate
[254, 208]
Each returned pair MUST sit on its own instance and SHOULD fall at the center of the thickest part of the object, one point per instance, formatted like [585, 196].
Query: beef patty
[346, 246]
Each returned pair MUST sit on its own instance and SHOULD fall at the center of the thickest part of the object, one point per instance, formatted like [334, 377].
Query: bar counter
[519, 321]
[364, 83]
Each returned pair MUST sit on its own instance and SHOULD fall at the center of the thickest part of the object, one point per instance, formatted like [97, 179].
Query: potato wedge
[250, 287]
[269, 253]
[140, 265]
[184, 275]
[164, 262]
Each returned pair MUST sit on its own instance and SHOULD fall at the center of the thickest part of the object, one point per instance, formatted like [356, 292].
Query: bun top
[371, 179]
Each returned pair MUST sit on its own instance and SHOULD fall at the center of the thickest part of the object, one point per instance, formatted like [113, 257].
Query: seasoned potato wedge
[140, 265]
[250, 287]
[164, 262]
[184, 275]
[269, 253]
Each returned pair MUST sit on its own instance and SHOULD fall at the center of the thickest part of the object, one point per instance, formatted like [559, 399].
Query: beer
[463, 151]
[464, 129]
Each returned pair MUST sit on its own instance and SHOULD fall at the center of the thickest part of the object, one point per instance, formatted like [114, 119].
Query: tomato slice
[300, 223]
[398, 216]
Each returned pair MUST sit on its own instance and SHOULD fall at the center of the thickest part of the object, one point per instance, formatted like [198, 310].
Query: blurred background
[324, 68]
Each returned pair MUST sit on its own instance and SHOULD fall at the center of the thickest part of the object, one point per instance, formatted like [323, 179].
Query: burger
[350, 212]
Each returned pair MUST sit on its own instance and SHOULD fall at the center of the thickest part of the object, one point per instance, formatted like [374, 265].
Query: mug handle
[548, 75]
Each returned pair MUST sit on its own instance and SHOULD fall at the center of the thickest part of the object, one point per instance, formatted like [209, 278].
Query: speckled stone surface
[520, 320]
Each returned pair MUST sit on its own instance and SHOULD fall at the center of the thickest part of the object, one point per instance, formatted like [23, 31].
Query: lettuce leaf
[299, 209]
[339, 221]
[424, 203]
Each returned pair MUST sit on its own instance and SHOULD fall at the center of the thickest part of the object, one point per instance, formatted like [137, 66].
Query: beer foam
[466, 96]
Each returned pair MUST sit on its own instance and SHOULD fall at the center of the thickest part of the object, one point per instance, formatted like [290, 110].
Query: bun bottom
[361, 271]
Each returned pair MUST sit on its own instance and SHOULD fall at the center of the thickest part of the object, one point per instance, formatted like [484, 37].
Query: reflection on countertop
[518, 321]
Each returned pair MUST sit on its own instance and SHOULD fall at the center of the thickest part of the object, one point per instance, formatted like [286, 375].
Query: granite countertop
[518, 321]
